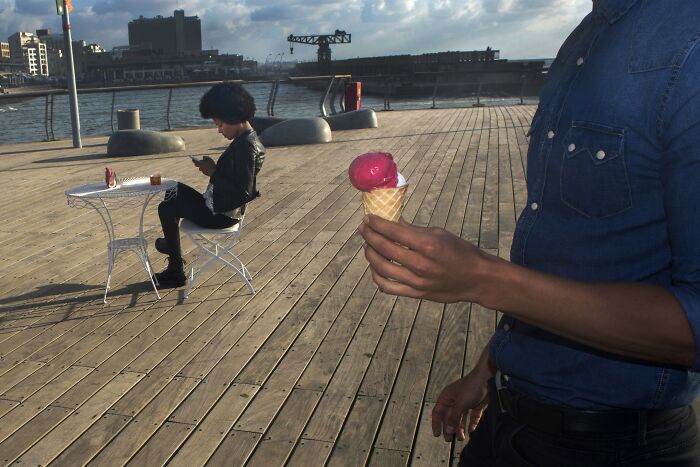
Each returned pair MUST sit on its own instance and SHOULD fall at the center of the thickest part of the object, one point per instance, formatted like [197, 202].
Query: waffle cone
[385, 202]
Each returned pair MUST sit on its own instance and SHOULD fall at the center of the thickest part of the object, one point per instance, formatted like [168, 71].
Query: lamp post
[62, 8]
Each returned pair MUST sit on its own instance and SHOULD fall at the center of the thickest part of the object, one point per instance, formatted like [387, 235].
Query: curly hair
[229, 102]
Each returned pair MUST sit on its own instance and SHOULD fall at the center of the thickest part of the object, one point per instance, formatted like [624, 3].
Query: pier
[317, 368]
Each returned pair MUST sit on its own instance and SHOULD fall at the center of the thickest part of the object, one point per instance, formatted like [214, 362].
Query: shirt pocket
[594, 180]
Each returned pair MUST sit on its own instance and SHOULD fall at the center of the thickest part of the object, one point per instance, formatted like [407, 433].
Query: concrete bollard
[128, 119]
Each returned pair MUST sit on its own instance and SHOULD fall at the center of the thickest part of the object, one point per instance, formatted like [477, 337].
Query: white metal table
[130, 192]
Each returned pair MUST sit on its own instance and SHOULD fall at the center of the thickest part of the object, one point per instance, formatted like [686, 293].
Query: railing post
[387, 93]
[167, 115]
[274, 98]
[271, 99]
[522, 88]
[333, 96]
[53, 136]
[325, 96]
[478, 96]
[111, 115]
[46, 118]
[435, 88]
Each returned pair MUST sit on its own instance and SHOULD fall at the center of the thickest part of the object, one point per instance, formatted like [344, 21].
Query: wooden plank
[428, 449]
[388, 458]
[162, 445]
[357, 435]
[275, 448]
[309, 452]
[342, 387]
[215, 426]
[51, 445]
[90, 442]
[34, 404]
[145, 423]
[235, 449]
[401, 417]
[26, 436]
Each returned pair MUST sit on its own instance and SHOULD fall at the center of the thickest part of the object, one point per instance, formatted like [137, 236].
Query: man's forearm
[630, 319]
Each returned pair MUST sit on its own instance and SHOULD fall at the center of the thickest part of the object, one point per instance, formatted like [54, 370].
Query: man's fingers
[395, 288]
[403, 233]
[475, 418]
[386, 246]
[438, 414]
[392, 271]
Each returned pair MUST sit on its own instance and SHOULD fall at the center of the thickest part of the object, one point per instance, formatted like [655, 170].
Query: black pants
[188, 204]
[500, 441]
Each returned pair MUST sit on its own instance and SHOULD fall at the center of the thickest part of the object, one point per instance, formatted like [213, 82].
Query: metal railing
[474, 85]
[328, 97]
[479, 86]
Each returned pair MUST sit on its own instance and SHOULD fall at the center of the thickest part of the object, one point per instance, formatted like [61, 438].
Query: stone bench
[353, 120]
[296, 131]
[143, 142]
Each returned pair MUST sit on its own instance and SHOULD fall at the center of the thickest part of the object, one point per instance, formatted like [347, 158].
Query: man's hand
[207, 165]
[454, 403]
[421, 262]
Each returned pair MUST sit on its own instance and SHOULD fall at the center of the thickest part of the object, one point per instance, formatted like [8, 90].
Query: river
[24, 121]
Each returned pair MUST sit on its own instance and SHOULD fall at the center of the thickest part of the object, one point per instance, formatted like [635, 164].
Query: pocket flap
[602, 143]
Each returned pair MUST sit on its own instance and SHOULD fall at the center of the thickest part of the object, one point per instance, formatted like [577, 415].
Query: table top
[126, 187]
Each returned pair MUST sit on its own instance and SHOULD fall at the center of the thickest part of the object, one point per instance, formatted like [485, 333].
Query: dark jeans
[188, 204]
[500, 441]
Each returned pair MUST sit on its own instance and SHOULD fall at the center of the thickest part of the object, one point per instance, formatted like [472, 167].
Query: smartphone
[196, 159]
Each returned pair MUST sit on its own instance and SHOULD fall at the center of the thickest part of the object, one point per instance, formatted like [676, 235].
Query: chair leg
[214, 251]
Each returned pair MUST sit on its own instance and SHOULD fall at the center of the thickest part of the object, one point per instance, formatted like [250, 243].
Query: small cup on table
[155, 178]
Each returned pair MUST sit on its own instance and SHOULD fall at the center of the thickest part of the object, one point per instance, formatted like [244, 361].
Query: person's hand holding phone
[205, 164]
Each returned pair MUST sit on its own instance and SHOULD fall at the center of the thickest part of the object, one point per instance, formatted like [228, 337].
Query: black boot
[162, 246]
[173, 276]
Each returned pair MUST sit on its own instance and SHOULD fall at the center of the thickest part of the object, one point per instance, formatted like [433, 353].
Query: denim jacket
[613, 183]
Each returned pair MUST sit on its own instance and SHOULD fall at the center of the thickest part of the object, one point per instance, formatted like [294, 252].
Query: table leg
[110, 267]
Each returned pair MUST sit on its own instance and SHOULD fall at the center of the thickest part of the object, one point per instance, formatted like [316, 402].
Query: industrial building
[173, 36]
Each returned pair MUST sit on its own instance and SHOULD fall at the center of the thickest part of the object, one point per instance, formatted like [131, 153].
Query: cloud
[273, 13]
[519, 28]
[35, 7]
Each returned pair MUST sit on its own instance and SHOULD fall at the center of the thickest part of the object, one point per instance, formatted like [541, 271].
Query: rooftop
[317, 368]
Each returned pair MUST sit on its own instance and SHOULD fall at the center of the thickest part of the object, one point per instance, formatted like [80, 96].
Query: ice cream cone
[385, 202]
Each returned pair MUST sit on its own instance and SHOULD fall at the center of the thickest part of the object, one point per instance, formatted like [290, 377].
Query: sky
[258, 29]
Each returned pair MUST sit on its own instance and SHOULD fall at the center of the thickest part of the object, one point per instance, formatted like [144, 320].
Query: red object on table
[110, 177]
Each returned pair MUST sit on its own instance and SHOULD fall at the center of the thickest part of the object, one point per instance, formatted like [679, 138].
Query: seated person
[231, 178]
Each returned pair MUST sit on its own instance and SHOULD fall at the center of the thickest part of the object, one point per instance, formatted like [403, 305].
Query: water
[24, 121]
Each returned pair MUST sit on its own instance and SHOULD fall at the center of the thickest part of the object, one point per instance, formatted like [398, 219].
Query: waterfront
[24, 121]
[318, 368]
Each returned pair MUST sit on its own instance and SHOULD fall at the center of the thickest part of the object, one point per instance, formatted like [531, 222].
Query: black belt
[560, 420]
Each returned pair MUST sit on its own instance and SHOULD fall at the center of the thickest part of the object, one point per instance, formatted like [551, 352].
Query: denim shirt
[613, 183]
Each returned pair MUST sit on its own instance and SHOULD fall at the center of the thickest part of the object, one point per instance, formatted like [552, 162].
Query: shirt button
[580, 61]
[600, 155]
[572, 147]
[534, 206]
[550, 135]
[506, 327]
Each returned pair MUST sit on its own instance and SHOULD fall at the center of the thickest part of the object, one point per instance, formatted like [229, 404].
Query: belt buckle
[500, 390]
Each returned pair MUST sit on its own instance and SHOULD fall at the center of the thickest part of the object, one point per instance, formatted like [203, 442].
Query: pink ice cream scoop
[373, 170]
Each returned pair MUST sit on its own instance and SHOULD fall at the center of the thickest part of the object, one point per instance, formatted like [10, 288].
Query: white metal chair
[215, 245]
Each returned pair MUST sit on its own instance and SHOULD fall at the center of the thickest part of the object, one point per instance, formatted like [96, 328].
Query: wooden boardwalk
[318, 368]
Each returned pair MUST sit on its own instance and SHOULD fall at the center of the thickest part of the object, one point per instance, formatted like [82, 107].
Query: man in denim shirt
[595, 360]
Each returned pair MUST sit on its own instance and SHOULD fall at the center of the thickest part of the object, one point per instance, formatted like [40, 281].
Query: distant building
[27, 49]
[54, 51]
[5, 51]
[174, 36]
